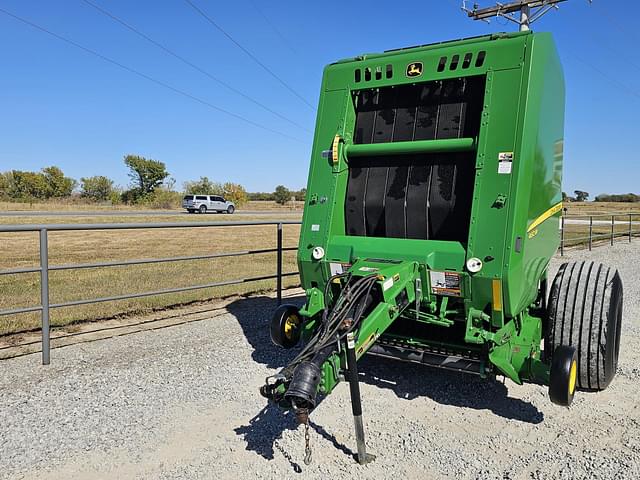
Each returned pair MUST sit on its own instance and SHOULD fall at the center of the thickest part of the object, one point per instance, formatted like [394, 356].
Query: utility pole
[529, 11]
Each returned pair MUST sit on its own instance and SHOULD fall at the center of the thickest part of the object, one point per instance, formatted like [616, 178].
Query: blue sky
[62, 106]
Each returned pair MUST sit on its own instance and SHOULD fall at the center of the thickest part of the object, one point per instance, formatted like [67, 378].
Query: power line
[189, 63]
[611, 79]
[526, 18]
[145, 76]
[617, 24]
[602, 42]
[247, 52]
[284, 40]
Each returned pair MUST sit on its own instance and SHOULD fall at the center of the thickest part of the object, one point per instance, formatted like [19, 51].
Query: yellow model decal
[548, 214]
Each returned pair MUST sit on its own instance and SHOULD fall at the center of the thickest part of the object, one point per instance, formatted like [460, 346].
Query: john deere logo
[414, 69]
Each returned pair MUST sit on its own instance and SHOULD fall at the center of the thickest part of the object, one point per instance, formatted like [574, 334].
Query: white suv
[205, 203]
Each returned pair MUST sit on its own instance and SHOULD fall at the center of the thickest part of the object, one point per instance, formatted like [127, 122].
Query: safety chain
[302, 416]
[307, 447]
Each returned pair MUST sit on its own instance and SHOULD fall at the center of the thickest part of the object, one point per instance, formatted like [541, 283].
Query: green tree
[581, 196]
[130, 196]
[204, 186]
[624, 197]
[282, 194]
[57, 184]
[146, 174]
[27, 185]
[163, 197]
[5, 184]
[98, 188]
[235, 193]
[261, 196]
[49, 183]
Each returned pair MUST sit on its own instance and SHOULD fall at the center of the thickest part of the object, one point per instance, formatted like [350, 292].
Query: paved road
[133, 213]
[182, 403]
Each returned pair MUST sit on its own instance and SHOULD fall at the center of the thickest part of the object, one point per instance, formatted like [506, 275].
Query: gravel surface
[183, 403]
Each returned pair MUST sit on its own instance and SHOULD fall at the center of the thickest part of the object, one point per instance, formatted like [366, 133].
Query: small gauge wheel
[286, 326]
[563, 375]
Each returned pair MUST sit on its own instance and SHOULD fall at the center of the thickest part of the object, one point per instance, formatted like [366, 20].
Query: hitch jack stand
[356, 405]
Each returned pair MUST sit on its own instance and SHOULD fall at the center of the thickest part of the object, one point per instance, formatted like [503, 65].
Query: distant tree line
[579, 196]
[280, 195]
[230, 191]
[49, 182]
[623, 197]
[582, 196]
[151, 185]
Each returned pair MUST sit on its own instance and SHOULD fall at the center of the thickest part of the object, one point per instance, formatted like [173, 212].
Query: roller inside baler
[430, 220]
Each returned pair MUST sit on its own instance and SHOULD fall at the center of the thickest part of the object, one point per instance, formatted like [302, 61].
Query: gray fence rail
[44, 268]
[585, 224]
[586, 221]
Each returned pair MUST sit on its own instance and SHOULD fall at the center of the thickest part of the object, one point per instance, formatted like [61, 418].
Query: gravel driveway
[183, 403]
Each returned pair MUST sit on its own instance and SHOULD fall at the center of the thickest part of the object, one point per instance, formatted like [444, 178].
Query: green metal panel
[538, 173]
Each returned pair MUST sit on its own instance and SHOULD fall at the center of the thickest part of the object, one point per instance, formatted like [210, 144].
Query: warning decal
[445, 283]
[505, 161]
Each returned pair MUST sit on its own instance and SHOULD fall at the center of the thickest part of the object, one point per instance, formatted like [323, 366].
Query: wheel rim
[573, 375]
[290, 325]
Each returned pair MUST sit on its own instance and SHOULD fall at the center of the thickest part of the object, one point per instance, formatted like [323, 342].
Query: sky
[64, 106]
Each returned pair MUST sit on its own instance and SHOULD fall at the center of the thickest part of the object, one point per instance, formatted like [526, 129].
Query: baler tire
[285, 326]
[563, 375]
[585, 312]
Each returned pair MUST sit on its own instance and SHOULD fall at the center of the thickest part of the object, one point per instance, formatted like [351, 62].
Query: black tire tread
[584, 312]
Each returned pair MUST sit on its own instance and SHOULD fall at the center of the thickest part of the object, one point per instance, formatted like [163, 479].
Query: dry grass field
[21, 250]
[601, 208]
[577, 233]
[62, 206]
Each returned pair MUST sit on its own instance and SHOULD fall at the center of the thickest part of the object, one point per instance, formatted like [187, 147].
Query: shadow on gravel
[264, 432]
[253, 315]
[408, 381]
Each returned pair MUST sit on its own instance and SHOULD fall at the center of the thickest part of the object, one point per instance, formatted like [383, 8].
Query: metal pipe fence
[44, 268]
[566, 240]
[607, 233]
